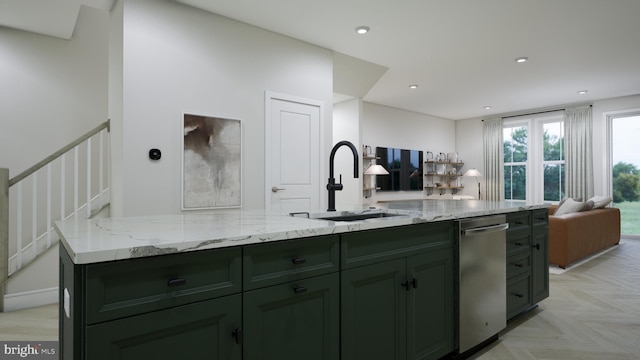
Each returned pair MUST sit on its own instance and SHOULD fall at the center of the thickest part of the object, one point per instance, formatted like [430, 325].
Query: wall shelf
[442, 176]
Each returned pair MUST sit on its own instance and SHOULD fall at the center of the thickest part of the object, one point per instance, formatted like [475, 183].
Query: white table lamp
[476, 173]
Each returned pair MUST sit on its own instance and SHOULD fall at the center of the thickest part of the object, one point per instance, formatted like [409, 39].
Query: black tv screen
[404, 167]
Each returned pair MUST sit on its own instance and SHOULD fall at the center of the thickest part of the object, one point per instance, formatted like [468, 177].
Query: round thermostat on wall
[155, 154]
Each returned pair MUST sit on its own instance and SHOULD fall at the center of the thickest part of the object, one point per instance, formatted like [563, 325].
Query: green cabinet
[152, 307]
[374, 311]
[402, 308]
[195, 331]
[430, 310]
[297, 320]
[377, 294]
[291, 297]
[527, 260]
[540, 255]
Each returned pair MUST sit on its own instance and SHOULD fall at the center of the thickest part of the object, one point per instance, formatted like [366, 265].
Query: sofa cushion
[600, 202]
[570, 206]
[565, 199]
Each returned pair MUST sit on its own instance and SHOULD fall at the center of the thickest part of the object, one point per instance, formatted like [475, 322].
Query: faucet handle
[338, 186]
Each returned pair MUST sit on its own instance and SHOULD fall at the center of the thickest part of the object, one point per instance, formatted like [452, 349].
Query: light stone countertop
[107, 239]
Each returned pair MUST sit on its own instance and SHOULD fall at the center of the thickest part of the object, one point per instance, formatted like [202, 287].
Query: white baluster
[75, 182]
[63, 188]
[34, 214]
[88, 178]
[19, 224]
[49, 225]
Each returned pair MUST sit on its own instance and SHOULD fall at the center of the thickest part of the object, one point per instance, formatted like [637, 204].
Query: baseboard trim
[29, 299]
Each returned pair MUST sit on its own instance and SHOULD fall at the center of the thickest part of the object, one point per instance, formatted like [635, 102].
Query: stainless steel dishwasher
[483, 279]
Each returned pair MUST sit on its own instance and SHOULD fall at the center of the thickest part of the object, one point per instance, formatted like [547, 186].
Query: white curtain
[493, 157]
[578, 140]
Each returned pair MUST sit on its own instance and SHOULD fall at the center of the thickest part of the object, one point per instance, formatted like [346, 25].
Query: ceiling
[460, 53]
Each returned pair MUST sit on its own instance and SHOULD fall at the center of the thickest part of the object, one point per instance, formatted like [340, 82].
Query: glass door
[626, 171]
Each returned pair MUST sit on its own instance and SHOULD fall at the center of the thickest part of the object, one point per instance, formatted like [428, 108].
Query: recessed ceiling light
[582, 92]
[414, 86]
[522, 59]
[362, 30]
[487, 107]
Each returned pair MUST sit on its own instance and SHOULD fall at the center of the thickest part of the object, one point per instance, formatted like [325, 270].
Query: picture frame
[211, 162]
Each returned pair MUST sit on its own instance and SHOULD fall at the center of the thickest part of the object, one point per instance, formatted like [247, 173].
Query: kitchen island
[237, 284]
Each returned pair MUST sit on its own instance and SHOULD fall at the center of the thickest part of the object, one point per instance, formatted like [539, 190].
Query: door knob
[276, 189]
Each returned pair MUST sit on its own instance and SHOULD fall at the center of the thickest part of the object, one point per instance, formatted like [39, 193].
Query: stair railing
[49, 191]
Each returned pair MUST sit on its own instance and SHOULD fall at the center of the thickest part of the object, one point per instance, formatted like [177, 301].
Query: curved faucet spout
[332, 187]
[355, 157]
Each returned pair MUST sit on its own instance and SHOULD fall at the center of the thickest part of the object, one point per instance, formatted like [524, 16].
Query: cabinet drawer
[277, 263]
[540, 216]
[518, 220]
[183, 332]
[518, 294]
[518, 241]
[518, 264]
[374, 246]
[130, 287]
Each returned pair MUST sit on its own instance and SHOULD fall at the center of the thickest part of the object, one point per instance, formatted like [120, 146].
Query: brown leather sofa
[575, 236]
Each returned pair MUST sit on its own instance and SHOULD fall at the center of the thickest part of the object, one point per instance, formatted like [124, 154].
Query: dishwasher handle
[485, 229]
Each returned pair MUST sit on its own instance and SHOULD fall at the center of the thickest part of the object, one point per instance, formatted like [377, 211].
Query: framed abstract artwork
[211, 162]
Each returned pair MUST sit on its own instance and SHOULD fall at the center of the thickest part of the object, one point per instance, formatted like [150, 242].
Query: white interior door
[293, 160]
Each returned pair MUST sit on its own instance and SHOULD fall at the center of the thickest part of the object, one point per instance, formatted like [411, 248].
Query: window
[515, 162]
[534, 164]
[553, 160]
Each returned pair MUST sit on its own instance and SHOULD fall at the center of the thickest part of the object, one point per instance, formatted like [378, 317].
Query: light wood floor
[593, 313]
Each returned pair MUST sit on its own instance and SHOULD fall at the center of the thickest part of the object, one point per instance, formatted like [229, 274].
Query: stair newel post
[4, 233]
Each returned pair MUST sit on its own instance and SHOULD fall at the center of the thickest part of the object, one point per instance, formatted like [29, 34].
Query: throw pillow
[600, 202]
[565, 199]
[570, 206]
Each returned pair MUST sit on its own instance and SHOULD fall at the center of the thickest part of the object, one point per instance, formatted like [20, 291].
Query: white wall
[179, 59]
[469, 148]
[52, 90]
[116, 28]
[390, 127]
[346, 126]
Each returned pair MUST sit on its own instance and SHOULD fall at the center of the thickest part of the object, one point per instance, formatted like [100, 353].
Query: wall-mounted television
[404, 167]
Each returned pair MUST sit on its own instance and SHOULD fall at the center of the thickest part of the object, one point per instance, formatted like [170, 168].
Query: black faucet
[332, 186]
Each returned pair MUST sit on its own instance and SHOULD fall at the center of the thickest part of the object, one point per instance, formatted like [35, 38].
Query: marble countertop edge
[110, 239]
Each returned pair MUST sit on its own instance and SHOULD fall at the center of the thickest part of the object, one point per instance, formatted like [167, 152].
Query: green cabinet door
[202, 330]
[374, 312]
[540, 262]
[430, 309]
[298, 320]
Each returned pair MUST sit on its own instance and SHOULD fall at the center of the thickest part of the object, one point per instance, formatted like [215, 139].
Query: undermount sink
[349, 215]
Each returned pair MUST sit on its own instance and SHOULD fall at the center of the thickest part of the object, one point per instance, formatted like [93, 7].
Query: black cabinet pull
[176, 282]
[519, 295]
[518, 244]
[299, 289]
[414, 282]
[537, 246]
[298, 261]
[542, 218]
[406, 285]
[237, 334]
[519, 223]
[518, 265]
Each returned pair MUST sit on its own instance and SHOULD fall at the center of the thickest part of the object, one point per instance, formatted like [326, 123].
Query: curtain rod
[534, 113]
